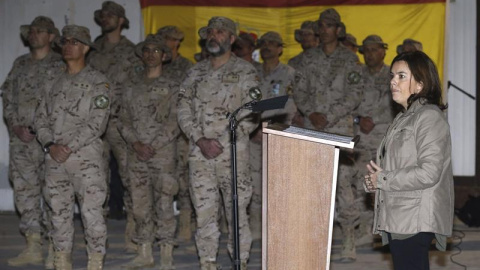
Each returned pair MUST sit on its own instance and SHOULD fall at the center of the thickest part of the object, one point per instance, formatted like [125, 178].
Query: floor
[465, 251]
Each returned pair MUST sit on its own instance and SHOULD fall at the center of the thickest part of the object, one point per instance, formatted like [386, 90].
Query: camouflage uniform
[334, 90]
[118, 63]
[149, 116]
[75, 113]
[377, 104]
[177, 69]
[206, 96]
[22, 92]
[280, 81]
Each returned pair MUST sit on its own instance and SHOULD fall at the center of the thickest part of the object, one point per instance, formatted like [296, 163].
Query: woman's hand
[371, 177]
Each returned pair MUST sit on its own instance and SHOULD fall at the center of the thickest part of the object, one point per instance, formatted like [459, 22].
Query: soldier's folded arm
[44, 133]
[97, 121]
[185, 116]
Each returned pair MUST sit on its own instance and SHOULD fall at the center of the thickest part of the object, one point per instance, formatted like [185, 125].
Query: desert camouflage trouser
[26, 172]
[119, 149]
[209, 180]
[153, 184]
[87, 180]
[256, 173]
[184, 201]
[348, 212]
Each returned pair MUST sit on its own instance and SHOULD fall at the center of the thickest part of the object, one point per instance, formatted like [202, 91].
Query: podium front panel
[297, 203]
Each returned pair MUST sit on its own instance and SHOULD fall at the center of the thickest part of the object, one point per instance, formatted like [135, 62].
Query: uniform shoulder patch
[353, 77]
[101, 101]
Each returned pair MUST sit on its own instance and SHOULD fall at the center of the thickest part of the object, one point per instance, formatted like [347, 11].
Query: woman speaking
[412, 177]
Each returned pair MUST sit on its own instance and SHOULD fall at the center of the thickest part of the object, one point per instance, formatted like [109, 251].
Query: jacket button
[385, 178]
[381, 201]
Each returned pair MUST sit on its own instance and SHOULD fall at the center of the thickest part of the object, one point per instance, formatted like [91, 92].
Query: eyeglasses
[146, 50]
[69, 41]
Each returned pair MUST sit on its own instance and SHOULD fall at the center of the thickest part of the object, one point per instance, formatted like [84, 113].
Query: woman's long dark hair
[423, 70]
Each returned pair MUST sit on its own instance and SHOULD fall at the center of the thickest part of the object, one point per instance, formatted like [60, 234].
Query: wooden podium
[299, 182]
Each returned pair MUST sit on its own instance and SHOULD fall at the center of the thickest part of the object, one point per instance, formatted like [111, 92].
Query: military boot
[50, 256]
[348, 253]
[184, 223]
[130, 246]
[32, 254]
[166, 257]
[144, 259]
[95, 261]
[207, 264]
[63, 260]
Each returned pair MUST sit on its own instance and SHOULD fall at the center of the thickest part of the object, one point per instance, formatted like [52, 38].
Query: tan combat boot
[348, 253]
[144, 259]
[32, 254]
[50, 256]
[63, 260]
[184, 223]
[130, 246]
[207, 264]
[166, 257]
[95, 261]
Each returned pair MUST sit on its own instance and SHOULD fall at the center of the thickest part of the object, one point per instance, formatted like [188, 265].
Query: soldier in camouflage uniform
[276, 79]
[308, 38]
[333, 91]
[149, 125]
[116, 59]
[177, 68]
[351, 43]
[373, 116]
[244, 46]
[409, 45]
[30, 76]
[69, 122]
[213, 88]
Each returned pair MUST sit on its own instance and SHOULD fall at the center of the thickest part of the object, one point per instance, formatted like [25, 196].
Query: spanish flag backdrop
[393, 20]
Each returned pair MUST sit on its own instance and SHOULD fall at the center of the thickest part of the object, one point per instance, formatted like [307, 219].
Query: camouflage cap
[171, 31]
[351, 39]
[270, 36]
[409, 42]
[248, 38]
[80, 33]
[330, 15]
[372, 39]
[40, 22]
[113, 8]
[156, 40]
[307, 26]
[218, 22]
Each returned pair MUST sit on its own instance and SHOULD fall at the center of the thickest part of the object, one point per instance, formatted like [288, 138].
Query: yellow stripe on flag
[394, 23]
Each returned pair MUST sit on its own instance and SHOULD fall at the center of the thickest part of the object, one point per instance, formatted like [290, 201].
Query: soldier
[30, 76]
[350, 42]
[308, 38]
[409, 45]
[276, 79]
[244, 46]
[211, 90]
[177, 68]
[373, 116]
[116, 59]
[333, 92]
[149, 126]
[69, 121]
[203, 54]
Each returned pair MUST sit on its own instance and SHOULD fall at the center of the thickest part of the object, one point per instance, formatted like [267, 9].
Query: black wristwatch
[356, 120]
[46, 147]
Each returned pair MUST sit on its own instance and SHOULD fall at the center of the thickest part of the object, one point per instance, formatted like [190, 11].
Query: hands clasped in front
[211, 148]
[371, 177]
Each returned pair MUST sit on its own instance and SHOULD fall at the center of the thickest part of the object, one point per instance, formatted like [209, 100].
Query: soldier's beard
[217, 49]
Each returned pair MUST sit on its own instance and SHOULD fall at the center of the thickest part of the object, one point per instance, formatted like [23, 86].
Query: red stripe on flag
[278, 3]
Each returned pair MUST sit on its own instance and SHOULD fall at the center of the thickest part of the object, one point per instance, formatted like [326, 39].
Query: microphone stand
[233, 122]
